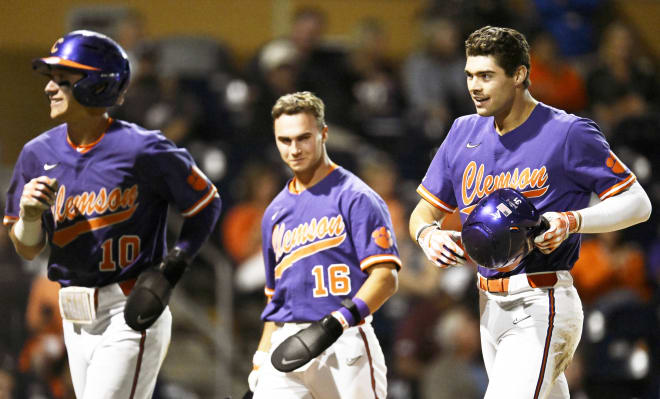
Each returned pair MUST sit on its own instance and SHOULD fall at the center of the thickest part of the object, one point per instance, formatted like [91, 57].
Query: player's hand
[38, 195]
[442, 247]
[306, 344]
[561, 225]
[257, 361]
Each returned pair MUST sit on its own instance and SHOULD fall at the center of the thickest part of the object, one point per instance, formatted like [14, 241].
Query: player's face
[300, 141]
[59, 91]
[489, 86]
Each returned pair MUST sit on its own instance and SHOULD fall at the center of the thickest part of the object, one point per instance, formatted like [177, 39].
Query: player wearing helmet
[531, 315]
[96, 192]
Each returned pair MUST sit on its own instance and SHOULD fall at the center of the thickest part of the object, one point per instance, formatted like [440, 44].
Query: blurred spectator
[571, 23]
[379, 105]
[434, 79]
[131, 35]
[458, 371]
[622, 82]
[276, 74]
[43, 357]
[241, 227]
[323, 66]
[607, 263]
[7, 377]
[554, 80]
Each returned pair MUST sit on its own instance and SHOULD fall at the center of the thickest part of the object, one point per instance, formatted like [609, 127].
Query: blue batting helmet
[103, 62]
[500, 229]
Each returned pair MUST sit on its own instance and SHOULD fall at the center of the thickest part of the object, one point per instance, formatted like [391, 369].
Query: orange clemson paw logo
[196, 180]
[615, 164]
[382, 237]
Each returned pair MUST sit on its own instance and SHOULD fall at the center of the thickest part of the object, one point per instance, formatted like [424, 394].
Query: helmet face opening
[102, 61]
[499, 230]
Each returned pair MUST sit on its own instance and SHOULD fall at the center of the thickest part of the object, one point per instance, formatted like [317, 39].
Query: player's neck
[87, 130]
[305, 180]
[521, 108]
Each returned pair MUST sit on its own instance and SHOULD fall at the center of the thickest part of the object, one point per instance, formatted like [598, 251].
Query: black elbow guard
[152, 291]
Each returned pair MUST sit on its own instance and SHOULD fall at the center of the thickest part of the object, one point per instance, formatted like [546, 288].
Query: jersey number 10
[129, 248]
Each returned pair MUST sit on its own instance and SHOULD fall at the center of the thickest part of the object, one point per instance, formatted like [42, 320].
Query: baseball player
[96, 191]
[531, 315]
[331, 260]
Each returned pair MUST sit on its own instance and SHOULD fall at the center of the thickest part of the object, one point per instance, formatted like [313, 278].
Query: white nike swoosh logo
[516, 320]
[140, 320]
[48, 166]
[470, 145]
[285, 362]
[351, 361]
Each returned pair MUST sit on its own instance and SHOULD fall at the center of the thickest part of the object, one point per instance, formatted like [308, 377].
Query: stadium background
[209, 70]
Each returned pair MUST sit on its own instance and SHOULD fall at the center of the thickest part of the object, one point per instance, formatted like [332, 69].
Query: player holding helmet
[96, 191]
[531, 315]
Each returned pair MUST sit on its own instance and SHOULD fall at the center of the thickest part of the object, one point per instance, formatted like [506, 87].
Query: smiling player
[96, 191]
[531, 315]
[331, 260]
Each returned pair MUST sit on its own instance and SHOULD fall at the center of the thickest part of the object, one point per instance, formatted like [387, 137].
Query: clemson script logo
[382, 237]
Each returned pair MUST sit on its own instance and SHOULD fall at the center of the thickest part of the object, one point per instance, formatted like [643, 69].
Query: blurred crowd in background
[386, 119]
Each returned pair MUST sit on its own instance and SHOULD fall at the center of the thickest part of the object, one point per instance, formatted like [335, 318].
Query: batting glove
[441, 246]
[38, 195]
[257, 360]
[561, 225]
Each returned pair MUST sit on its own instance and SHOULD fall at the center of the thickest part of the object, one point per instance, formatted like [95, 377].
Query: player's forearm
[382, 283]
[196, 229]
[264, 342]
[618, 212]
[423, 214]
[27, 252]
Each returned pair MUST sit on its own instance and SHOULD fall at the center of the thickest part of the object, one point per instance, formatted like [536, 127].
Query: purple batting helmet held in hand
[500, 229]
[103, 62]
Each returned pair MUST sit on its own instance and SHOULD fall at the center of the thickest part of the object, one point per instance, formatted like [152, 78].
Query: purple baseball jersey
[317, 245]
[555, 159]
[109, 219]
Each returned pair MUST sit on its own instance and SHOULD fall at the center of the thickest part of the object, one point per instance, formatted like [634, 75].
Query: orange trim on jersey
[9, 220]
[433, 200]
[548, 338]
[64, 236]
[269, 292]
[68, 63]
[617, 188]
[201, 204]
[83, 148]
[371, 362]
[292, 185]
[376, 259]
[306, 251]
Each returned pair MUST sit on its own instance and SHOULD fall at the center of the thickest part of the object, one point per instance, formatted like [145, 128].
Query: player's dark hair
[508, 46]
[300, 102]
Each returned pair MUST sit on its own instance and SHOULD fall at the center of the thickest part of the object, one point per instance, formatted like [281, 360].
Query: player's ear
[520, 75]
[324, 133]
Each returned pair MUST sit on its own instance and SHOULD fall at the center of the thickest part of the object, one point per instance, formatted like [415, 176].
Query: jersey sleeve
[268, 254]
[171, 172]
[371, 231]
[436, 186]
[591, 163]
[18, 180]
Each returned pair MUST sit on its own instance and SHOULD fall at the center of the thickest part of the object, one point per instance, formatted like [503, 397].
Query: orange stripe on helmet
[68, 63]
